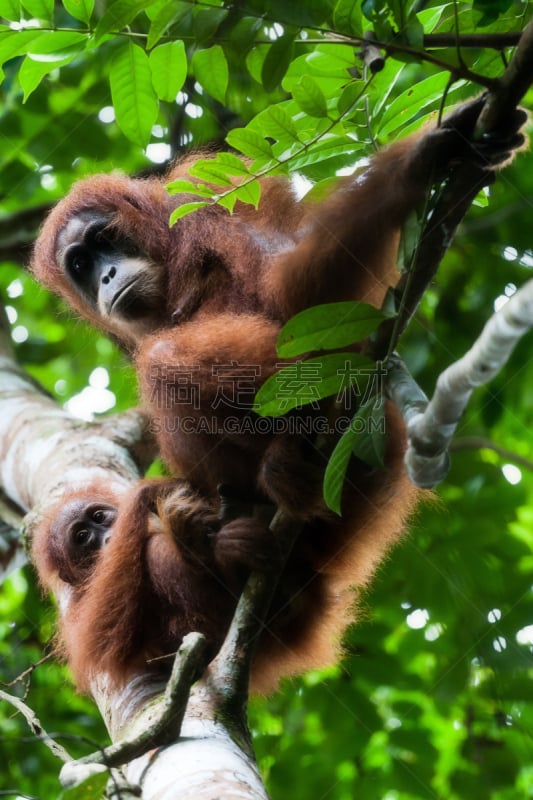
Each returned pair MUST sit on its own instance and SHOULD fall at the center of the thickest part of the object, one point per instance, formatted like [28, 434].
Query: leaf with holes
[310, 97]
[250, 143]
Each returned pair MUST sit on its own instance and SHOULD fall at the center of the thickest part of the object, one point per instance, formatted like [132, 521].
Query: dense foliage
[434, 698]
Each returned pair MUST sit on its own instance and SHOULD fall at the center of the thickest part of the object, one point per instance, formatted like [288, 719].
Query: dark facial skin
[108, 271]
[78, 534]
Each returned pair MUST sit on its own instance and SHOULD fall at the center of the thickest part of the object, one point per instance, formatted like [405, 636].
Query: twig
[436, 237]
[230, 670]
[188, 666]
[453, 203]
[495, 41]
[482, 443]
[511, 87]
[35, 726]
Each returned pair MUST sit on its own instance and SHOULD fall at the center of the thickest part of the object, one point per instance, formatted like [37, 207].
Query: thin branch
[459, 73]
[35, 726]
[453, 203]
[230, 669]
[482, 443]
[165, 726]
[511, 87]
[495, 41]
[436, 237]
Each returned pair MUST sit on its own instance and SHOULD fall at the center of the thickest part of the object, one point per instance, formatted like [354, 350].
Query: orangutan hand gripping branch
[200, 306]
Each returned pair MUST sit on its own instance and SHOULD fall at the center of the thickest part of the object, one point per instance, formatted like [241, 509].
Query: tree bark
[45, 453]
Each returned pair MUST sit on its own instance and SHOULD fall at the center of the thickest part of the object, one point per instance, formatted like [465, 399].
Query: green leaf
[370, 445]
[244, 31]
[169, 14]
[15, 43]
[328, 326]
[410, 102]
[32, 72]
[40, 9]
[250, 143]
[168, 63]
[183, 186]
[207, 21]
[490, 10]
[10, 9]
[249, 193]
[413, 32]
[300, 14]
[332, 59]
[350, 95]
[56, 45]
[211, 69]
[134, 99]
[308, 381]
[232, 164]
[347, 17]
[228, 201]
[118, 15]
[326, 148]
[336, 469]
[277, 62]
[409, 240]
[255, 59]
[185, 209]
[207, 171]
[80, 9]
[364, 438]
[309, 96]
[278, 124]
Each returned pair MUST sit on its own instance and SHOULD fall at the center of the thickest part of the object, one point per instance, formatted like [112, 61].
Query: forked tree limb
[165, 725]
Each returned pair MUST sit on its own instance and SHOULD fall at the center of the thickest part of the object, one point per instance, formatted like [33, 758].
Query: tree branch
[495, 41]
[165, 724]
[431, 426]
[35, 726]
[452, 204]
[230, 670]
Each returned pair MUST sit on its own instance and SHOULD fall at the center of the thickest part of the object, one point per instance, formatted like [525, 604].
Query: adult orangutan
[200, 306]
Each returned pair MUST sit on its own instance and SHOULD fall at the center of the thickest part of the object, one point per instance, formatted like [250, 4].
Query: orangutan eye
[82, 537]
